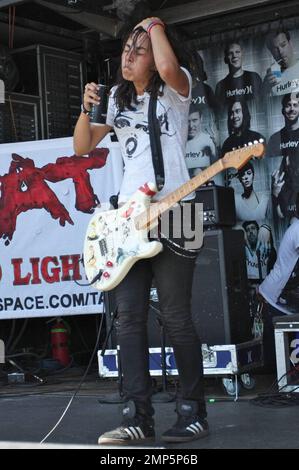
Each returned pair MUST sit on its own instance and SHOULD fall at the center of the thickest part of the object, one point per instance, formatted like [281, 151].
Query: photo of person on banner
[260, 257]
[239, 82]
[282, 75]
[200, 147]
[285, 143]
[250, 205]
[238, 124]
[202, 93]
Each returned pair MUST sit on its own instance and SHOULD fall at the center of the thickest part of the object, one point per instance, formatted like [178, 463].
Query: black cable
[95, 279]
[22, 368]
[82, 285]
[63, 369]
[9, 356]
[280, 398]
[80, 383]
[167, 371]
[277, 400]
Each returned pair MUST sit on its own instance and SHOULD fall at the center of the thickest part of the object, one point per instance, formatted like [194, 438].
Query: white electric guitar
[117, 238]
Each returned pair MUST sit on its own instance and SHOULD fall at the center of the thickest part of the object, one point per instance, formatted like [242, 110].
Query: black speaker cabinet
[57, 77]
[20, 118]
[220, 304]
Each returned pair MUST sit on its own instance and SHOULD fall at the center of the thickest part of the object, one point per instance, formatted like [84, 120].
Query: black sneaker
[189, 425]
[134, 429]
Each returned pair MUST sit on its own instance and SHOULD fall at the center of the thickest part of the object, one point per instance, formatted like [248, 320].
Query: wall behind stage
[245, 88]
[47, 195]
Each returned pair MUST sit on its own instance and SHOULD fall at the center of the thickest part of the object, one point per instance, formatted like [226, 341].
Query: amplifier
[19, 118]
[56, 76]
[218, 206]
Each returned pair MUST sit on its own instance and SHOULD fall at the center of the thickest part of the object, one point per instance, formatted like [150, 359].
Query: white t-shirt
[245, 212]
[200, 151]
[131, 128]
[287, 257]
[252, 264]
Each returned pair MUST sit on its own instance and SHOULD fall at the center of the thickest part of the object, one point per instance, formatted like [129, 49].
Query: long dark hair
[247, 191]
[246, 116]
[197, 66]
[125, 94]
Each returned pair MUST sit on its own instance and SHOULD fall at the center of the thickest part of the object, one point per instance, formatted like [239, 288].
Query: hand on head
[148, 23]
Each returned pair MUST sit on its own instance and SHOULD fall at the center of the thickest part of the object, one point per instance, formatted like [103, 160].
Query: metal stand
[164, 396]
[114, 397]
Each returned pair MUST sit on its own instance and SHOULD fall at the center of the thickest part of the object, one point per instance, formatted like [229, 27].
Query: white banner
[47, 196]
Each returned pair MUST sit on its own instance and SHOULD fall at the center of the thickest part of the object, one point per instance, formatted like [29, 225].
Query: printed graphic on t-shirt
[283, 142]
[134, 126]
[256, 265]
[246, 86]
[288, 82]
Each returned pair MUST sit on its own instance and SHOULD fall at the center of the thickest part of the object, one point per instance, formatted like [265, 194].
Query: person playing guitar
[149, 67]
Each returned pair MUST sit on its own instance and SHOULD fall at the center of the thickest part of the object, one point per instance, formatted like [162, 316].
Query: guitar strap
[155, 141]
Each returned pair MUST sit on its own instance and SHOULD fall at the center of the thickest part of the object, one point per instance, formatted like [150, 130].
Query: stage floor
[29, 411]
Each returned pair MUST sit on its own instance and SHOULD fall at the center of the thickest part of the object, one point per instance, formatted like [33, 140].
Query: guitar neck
[149, 217]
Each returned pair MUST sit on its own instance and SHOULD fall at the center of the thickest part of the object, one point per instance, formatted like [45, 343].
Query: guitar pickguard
[113, 243]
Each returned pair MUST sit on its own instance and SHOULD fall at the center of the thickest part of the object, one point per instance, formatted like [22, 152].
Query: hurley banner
[246, 90]
[47, 197]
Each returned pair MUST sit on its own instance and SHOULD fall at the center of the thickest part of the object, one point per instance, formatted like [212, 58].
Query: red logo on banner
[25, 188]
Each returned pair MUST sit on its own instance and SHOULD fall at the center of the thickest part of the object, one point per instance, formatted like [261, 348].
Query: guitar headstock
[239, 157]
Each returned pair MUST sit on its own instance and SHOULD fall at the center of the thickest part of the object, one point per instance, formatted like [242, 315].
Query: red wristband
[152, 24]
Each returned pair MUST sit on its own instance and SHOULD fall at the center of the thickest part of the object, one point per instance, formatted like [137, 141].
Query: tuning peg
[249, 143]
[255, 142]
[261, 141]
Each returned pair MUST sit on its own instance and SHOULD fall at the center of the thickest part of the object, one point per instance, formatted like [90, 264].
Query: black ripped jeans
[173, 278]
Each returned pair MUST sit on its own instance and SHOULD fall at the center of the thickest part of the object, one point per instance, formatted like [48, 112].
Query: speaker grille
[220, 303]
